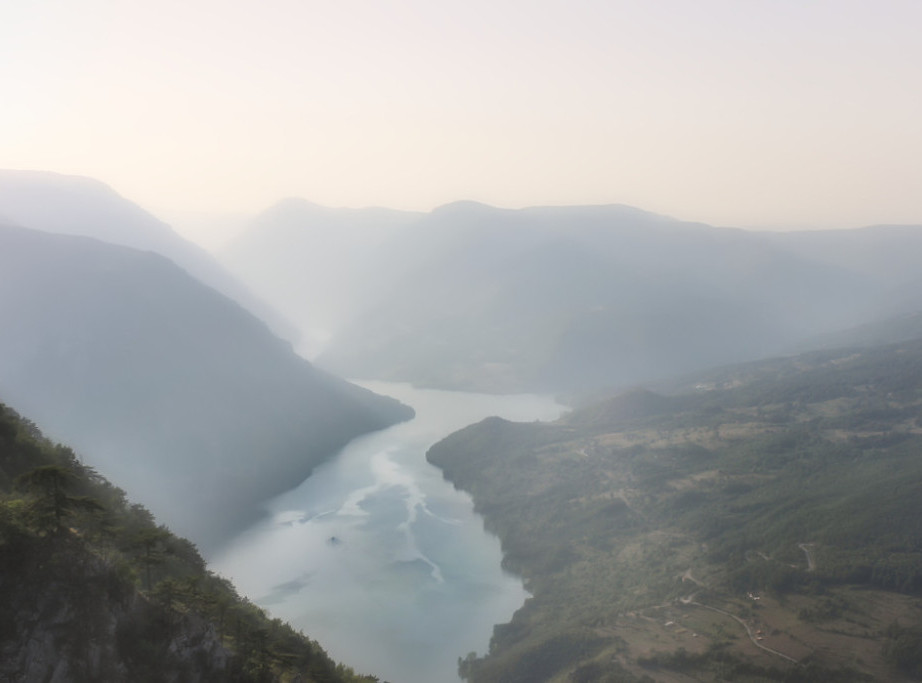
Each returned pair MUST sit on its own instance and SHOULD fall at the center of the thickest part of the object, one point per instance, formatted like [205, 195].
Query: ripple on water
[380, 559]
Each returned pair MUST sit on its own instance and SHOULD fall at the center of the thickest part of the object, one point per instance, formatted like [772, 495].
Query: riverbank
[618, 513]
[383, 560]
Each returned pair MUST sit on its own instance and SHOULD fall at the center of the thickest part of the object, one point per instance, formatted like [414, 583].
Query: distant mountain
[587, 297]
[764, 525]
[181, 396]
[314, 263]
[887, 331]
[75, 205]
[579, 298]
[890, 253]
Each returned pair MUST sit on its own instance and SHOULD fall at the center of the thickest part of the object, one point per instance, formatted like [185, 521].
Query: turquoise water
[377, 557]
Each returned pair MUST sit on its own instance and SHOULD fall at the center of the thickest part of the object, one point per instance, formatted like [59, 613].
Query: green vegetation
[766, 525]
[904, 648]
[90, 583]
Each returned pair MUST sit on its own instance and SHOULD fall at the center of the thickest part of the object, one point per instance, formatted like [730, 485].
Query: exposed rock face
[69, 615]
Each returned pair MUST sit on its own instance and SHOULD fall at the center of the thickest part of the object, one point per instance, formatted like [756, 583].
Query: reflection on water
[377, 557]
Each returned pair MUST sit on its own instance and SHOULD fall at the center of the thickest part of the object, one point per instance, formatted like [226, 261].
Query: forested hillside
[764, 525]
[92, 589]
[175, 391]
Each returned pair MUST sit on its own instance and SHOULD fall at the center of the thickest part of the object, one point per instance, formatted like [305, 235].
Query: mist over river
[377, 557]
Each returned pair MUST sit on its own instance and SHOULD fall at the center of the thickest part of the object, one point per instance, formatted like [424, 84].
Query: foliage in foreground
[70, 542]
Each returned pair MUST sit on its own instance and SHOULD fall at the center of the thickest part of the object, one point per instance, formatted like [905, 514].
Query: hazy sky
[733, 112]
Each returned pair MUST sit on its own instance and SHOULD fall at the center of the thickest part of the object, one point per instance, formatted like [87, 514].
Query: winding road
[749, 632]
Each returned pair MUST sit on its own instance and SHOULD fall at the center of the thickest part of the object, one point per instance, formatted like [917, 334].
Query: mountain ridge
[186, 399]
[468, 266]
[561, 302]
[79, 205]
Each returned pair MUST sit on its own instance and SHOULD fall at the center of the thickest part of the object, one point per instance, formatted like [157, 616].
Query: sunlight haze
[753, 114]
[461, 342]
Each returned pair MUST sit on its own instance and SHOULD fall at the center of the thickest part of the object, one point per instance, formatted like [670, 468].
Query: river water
[377, 557]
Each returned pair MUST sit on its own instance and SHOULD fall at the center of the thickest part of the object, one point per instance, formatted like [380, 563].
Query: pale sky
[753, 113]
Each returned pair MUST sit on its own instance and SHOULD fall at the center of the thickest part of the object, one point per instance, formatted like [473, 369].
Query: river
[377, 557]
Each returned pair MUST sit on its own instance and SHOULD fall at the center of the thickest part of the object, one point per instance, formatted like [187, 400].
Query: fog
[478, 208]
[562, 298]
[296, 250]
[168, 388]
[75, 205]
[121, 341]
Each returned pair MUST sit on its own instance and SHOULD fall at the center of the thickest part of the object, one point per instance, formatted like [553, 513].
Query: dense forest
[763, 524]
[91, 588]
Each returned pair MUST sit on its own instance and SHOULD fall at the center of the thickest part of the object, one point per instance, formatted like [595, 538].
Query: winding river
[377, 557]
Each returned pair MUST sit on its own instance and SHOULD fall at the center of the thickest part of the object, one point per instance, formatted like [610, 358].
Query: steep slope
[184, 399]
[92, 590]
[586, 297]
[764, 526]
[75, 205]
[314, 263]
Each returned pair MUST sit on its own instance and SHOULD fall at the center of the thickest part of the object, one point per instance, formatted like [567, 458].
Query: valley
[460, 342]
[689, 519]
[381, 559]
